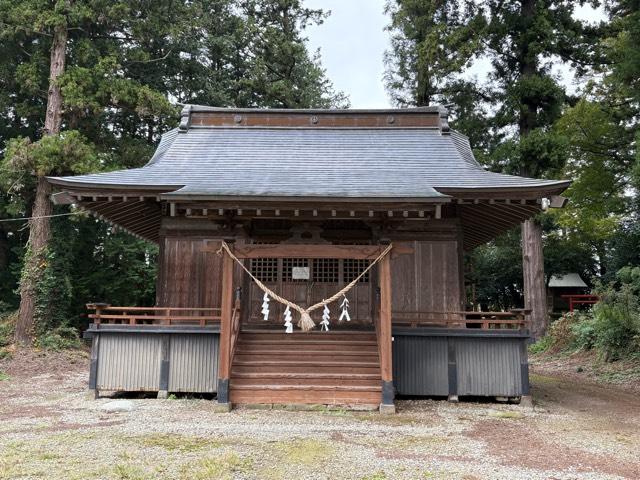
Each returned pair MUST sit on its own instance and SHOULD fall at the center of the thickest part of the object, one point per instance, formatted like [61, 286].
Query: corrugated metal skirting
[129, 362]
[193, 363]
[489, 366]
[133, 362]
[448, 362]
[420, 365]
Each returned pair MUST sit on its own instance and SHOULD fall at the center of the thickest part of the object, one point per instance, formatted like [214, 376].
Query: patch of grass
[307, 452]
[375, 476]
[129, 472]
[179, 443]
[223, 467]
[396, 420]
[513, 415]
[537, 379]
[541, 345]
[48, 456]
[4, 376]
[416, 441]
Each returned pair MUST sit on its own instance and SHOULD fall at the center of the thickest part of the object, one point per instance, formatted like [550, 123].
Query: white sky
[352, 42]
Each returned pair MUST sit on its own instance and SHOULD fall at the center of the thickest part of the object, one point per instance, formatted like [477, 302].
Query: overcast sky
[352, 42]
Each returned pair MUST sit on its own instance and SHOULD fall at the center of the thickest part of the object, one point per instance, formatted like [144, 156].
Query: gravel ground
[50, 428]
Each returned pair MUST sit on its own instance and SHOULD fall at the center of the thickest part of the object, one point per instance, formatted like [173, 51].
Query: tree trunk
[39, 231]
[535, 298]
[53, 120]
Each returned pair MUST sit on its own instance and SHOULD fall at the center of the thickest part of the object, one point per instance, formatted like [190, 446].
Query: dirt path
[49, 428]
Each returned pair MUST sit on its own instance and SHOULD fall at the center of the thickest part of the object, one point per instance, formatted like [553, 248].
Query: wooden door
[325, 277]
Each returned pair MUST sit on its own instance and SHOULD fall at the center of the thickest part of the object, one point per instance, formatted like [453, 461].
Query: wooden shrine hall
[310, 257]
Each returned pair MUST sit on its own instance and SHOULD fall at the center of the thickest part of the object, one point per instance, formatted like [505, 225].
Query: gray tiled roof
[310, 162]
[573, 280]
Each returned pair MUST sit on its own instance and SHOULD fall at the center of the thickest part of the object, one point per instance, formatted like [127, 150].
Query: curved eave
[541, 190]
[75, 185]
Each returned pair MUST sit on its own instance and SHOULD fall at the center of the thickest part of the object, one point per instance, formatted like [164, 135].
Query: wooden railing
[235, 324]
[107, 314]
[483, 320]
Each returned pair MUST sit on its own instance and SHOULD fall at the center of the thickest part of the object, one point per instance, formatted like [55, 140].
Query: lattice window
[287, 268]
[326, 270]
[265, 269]
[351, 268]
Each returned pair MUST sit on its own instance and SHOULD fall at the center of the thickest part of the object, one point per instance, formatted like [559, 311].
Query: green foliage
[431, 42]
[617, 317]
[60, 338]
[7, 327]
[542, 345]
[496, 270]
[64, 154]
[585, 333]
[612, 327]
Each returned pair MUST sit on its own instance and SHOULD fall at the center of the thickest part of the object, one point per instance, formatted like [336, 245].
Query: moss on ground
[395, 420]
[509, 414]
[176, 442]
[537, 379]
[222, 467]
[306, 452]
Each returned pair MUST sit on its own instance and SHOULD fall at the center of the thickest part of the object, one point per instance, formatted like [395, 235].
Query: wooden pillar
[535, 298]
[224, 365]
[385, 336]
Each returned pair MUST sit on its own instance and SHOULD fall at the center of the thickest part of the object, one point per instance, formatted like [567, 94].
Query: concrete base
[387, 409]
[453, 398]
[92, 394]
[162, 394]
[222, 407]
[526, 401]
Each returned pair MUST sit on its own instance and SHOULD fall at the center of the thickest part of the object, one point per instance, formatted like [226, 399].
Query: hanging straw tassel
[305, 324]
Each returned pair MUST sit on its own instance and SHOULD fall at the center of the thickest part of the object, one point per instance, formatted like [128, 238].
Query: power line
[35, 218]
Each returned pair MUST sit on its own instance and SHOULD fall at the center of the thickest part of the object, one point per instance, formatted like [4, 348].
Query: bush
[7, 327]
[61, 338]
[584, 332]
[617, 317]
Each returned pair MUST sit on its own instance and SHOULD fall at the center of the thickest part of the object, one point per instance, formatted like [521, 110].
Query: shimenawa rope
[305, 323]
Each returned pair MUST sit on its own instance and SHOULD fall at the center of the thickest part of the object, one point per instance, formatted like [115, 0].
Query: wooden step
[305, 363]
[306, 396]
[296, 367]
[343, 354]
[336, 368]
[269, 381]
[324, 344]
[312, 387]
[318, 357]
[310, 375]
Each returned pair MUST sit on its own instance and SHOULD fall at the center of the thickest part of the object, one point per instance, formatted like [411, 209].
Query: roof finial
[444, 118]
[185, 118]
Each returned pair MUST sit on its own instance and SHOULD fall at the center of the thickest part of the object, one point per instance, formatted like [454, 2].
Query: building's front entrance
[306, 281]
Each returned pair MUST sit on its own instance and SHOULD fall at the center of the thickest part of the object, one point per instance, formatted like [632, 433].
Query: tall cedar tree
[124, 61]
[431, 43]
